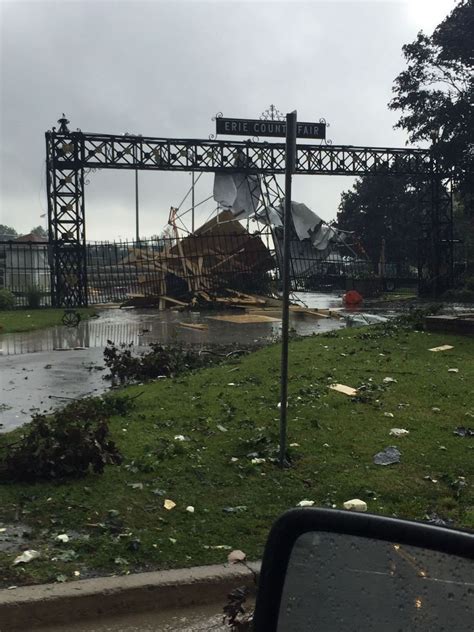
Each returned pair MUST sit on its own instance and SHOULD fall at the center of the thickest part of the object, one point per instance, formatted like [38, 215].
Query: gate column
[66, 219]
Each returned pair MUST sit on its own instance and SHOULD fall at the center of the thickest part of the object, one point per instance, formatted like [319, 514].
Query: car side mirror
[325, 570]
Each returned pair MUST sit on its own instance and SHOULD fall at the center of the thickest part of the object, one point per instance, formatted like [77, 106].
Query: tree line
[434, 96]
[8, 232]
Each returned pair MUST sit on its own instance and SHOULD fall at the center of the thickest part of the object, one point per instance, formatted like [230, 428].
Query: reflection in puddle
[140, 327]
[44, 369]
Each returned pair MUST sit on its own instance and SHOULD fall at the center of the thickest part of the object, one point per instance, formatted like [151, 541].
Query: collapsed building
[222, 261]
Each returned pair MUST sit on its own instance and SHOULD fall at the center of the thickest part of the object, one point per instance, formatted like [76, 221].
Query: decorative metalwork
[272, 114]
[71, 318]
[69, 154]
[88, 172]
[213, 136]
[326, 141]
[98, 151]
[63, 122]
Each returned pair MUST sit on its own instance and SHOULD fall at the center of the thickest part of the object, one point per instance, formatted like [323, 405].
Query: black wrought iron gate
[70, 153]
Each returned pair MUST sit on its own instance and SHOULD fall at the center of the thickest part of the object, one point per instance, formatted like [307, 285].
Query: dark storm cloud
[165, 68]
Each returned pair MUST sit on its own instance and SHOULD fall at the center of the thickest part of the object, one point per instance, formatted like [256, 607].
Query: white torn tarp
[313, 242]
[225, 190]
[307, 224]
[238, 192]
[271, 216]
[305, 221]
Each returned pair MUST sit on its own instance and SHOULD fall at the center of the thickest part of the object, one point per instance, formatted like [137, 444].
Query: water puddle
[12, 536]
[195, 619]
[44, 369]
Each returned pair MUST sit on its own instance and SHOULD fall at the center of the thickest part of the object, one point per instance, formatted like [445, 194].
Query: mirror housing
[295, 523]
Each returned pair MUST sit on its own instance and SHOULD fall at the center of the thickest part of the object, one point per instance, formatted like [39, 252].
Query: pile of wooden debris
[196, 271]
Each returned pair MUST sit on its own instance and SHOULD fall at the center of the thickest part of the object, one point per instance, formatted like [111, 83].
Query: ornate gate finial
[272, 114]
[63, 128]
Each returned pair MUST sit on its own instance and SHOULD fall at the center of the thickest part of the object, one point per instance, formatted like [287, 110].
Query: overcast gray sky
[165, 68]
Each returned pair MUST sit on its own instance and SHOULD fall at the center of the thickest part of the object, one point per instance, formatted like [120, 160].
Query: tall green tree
[435, 94]
[382, 209]
[7, 232]
[39, 231]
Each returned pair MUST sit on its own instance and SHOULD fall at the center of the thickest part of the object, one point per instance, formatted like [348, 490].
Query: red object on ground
[352, 297]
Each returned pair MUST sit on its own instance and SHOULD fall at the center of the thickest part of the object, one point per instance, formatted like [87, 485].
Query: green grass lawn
[30, 319]
[228, 416]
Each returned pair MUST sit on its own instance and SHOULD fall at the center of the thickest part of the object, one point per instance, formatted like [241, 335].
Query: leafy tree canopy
[435, 92]
[39, 230]
[382, 208]
[7, 231]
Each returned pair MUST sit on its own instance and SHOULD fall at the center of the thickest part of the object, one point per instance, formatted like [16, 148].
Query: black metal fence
[25, 271]
[179, 269]
[172, 271]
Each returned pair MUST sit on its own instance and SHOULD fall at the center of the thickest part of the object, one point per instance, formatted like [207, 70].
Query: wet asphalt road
[43, 369]
[197, 619]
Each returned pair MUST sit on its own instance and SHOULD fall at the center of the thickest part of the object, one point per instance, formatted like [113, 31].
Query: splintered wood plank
[199, 326]
[441, 348]
[245, 318]
[175, 301]
[342, 388]
[307, 312]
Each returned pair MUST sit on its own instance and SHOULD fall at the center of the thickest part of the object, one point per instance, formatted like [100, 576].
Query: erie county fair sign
[255, 127]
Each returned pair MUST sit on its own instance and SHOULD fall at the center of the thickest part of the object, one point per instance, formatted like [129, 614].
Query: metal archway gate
[70, 153]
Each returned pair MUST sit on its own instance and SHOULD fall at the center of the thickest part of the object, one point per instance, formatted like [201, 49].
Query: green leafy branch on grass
[69, 443]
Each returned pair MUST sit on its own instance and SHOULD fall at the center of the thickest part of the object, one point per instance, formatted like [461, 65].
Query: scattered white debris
[169, 504]
[391, 415]
[399, 432]
[221, 428]
[26, 556]
[179, 438]
[355, 505]
[305, 503]
[442, 348]
[294, 445]
[345, 390]
[435, 409]
[389, 380]
[236, 556]
[257, 461]
[453, 370]
[62, 537]
[190, 509]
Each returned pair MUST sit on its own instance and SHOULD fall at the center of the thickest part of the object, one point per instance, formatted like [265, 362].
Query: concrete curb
[30, 607]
